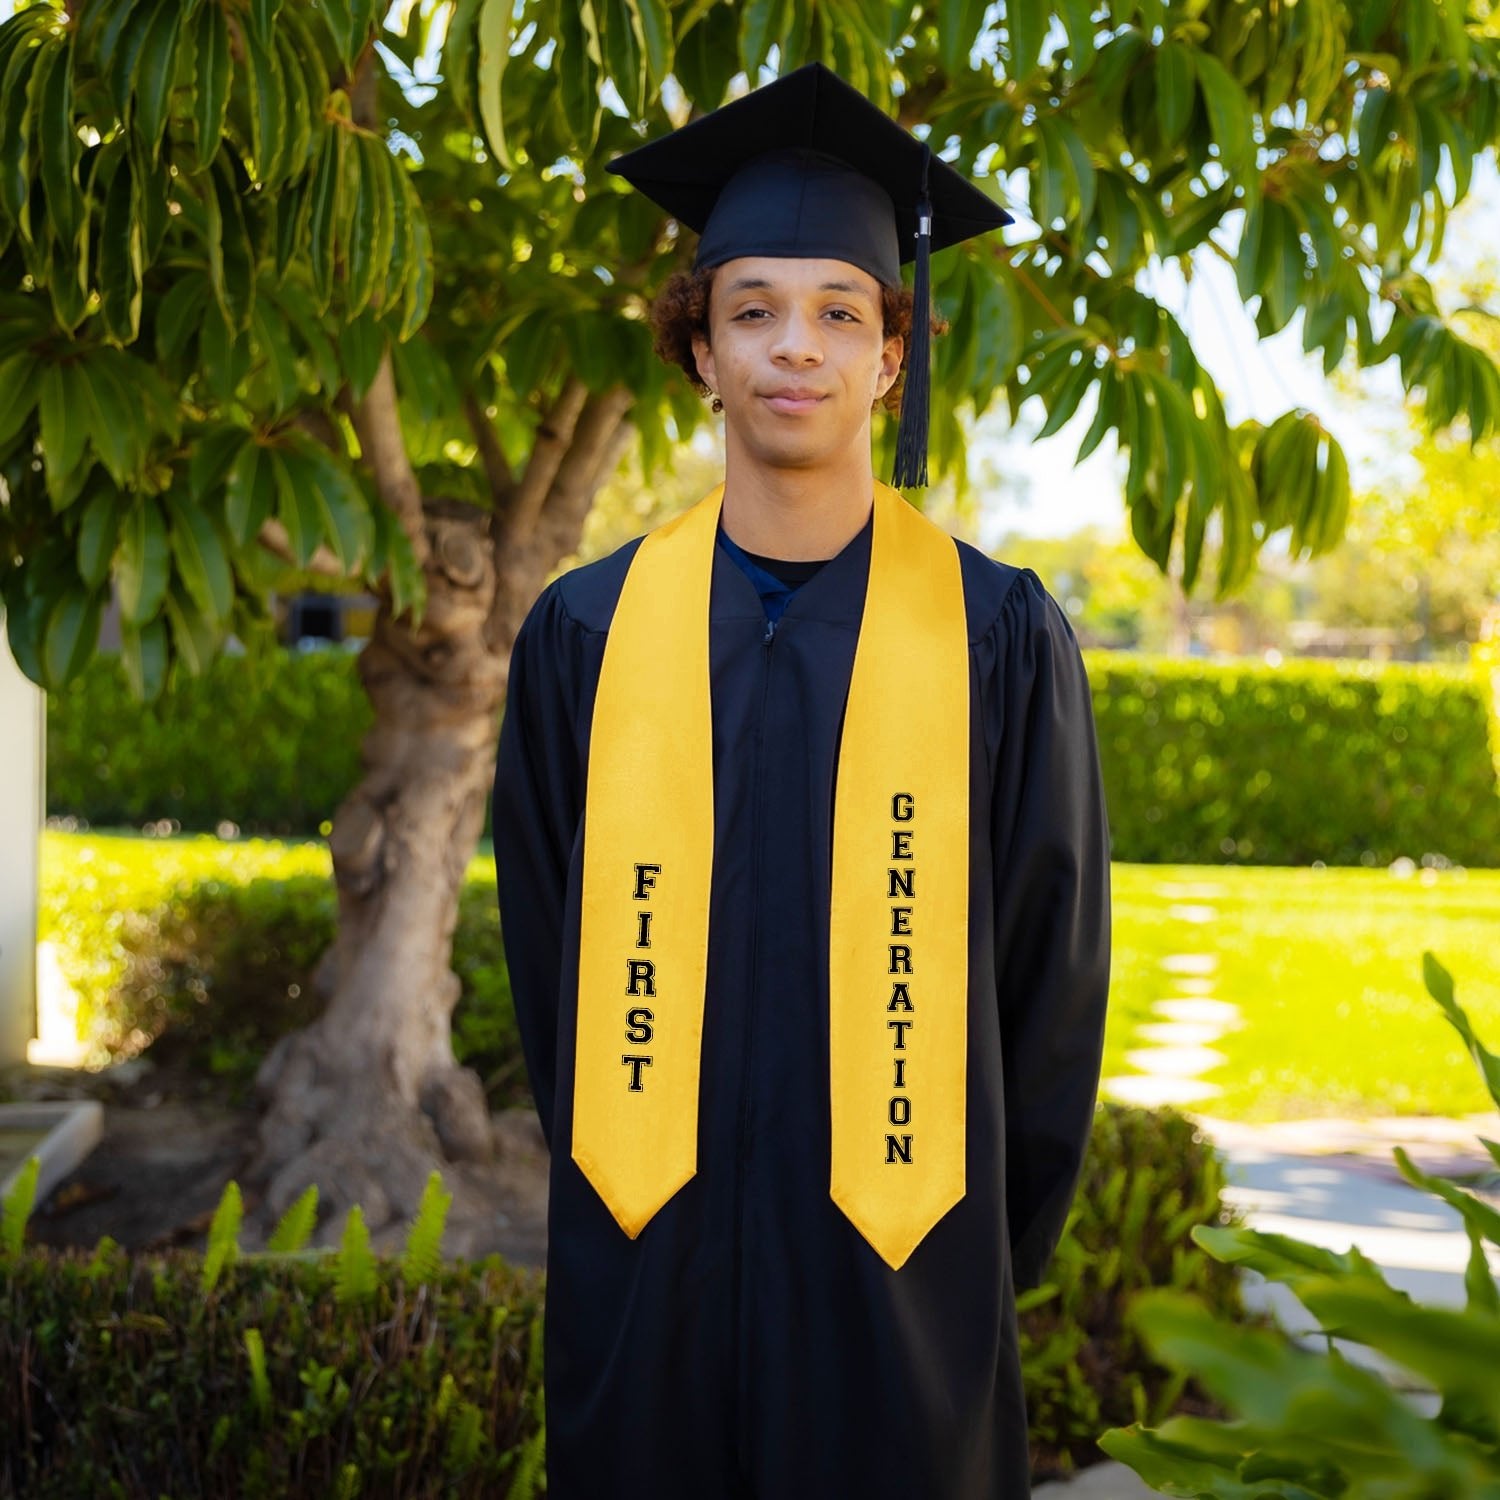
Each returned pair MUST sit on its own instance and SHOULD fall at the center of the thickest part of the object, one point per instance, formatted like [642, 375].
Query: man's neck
[796, 514]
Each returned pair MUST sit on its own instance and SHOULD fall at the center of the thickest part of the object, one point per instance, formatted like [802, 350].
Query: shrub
[1344, 762]
[1149, 1177]
[279, 1374]
[1308, 1423]
[269, 742]
[252, 1368]
[216, 971]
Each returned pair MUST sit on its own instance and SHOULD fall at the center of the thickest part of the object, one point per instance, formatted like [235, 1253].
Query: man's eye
[749, 312]
[843, 312]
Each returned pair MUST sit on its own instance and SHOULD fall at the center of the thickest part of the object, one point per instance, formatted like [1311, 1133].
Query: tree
[275, 299]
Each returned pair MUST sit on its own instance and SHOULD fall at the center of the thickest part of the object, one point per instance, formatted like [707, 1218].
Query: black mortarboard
[807, 167]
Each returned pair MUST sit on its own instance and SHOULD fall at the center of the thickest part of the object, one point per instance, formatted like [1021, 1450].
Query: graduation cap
[807, 167]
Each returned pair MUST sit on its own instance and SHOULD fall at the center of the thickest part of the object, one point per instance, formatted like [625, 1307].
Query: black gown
[750, 1342]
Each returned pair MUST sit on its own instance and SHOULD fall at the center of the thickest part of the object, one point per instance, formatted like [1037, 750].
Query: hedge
[318, 1374]
[1204, 762]
[1344, 762]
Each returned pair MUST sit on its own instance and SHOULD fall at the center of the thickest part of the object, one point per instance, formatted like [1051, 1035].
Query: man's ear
[703, 356]
[890, 364]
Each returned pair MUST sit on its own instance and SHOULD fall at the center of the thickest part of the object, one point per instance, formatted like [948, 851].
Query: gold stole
[898, 927]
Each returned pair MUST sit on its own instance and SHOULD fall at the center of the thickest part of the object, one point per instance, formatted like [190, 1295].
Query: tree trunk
[368, 1100]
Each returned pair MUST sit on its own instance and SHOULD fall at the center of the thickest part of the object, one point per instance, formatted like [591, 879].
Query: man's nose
[796, 341]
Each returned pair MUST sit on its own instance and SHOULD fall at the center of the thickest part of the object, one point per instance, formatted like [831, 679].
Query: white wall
[23, 727]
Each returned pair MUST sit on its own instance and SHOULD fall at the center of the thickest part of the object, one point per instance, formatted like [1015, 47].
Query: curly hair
[680, 310]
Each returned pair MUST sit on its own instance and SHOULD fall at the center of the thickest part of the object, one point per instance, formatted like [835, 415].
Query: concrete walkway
[1334, 1183]
[1331, 1182]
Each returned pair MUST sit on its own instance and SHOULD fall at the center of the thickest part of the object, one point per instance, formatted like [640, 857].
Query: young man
[804, 877]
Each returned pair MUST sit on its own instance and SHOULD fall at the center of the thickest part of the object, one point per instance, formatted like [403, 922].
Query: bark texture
[370, 1099]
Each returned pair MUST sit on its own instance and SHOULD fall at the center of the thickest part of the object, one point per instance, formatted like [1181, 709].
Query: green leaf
[297, 110]
[213, 457]
[273, 344]
[223, 1236]
[18, 392]
[623, 52]
[421, 1261]
[296, 1225]
[578, 69]
[71, 635]
[16, 1207]
[1078, 21]
[323, 215]
[110, 424]
[354, 1276]
[267, 115]
[249, 493]
[959, 23]
[762, 25]
[1439, 983]
[1106, 412]
[16, 132]
[350, 22]
[296, 506]
[460, 51]
[374, 222]
[99, 534]
[193, 633]
[342, 516]
[231, 257]
[1229, 114]
[153, 86]
[178, 315]
[63, 427]
[129, 45]
[656, 30]
[1069, 394]
[144, 561]
[202, 561]
[1176, 87]
[143, 654]
[419, 276]
[50, 94]
[1027, 22]
[361, 344]
[494, 53]
[121, 257]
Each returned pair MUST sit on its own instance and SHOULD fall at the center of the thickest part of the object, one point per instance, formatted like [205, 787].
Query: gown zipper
[768, 645]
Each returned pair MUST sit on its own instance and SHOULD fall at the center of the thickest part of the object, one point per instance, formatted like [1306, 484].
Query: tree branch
[596, 444]
[491, 455]
[378, 426]
[553, 439]
[273, 537]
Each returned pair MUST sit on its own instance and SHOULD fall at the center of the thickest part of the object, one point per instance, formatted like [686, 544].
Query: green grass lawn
[1325, 965]
[1326, 968]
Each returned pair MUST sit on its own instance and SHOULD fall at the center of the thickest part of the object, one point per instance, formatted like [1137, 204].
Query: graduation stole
[898, 927]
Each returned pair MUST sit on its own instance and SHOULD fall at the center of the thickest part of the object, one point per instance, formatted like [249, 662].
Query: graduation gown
[750, 1343]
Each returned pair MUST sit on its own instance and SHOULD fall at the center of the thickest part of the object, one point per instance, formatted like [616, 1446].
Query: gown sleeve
[1052, 929]
[536, 808]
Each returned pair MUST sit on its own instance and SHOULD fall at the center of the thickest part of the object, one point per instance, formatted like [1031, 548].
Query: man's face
[797, 353]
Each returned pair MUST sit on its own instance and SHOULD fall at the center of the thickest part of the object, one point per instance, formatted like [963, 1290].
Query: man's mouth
[790, 400]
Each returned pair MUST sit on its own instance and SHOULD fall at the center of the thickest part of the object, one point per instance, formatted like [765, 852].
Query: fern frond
[260, 1385]
[295, 1227]
[529, 1466]
[422, 1260]
[464, 1438]
[15, 1211]
[223, 1235]
[354, 1278]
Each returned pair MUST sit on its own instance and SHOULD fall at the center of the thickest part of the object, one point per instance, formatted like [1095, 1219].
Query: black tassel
[911, 435]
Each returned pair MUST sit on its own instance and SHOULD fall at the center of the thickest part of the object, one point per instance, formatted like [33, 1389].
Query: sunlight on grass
[1325, 965]
[1326, 968]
